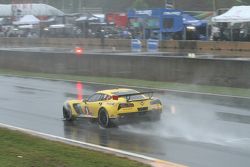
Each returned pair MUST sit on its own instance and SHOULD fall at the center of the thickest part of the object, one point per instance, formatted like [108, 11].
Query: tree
[140, 4]
[242, 2]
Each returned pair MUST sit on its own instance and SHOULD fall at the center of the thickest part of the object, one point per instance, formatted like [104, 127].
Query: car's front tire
[103, 118]
[67, 114]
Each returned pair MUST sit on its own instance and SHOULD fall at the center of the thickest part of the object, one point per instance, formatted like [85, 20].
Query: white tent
[28, 19]
[93, 17]
[57, 26]
[5, 10]
[26, 26]
[236, 14]
[82, 18]
[100, 17]
[29, 9]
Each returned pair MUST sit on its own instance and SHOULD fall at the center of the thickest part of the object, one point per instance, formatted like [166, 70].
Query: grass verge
[134, 82]
[22, 150]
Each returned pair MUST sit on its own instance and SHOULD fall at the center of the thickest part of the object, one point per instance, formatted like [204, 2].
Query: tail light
[125, 105]
[115, 97]
[157, 101]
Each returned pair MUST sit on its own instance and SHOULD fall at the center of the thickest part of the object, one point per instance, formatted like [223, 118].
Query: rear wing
[128, 96]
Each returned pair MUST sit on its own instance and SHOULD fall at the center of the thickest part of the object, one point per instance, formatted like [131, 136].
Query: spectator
[102, 37]
[215, 33]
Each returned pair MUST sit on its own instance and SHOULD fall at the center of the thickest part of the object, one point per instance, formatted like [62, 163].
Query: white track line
[141, 158]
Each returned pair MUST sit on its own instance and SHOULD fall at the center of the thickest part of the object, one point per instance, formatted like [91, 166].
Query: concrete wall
[185, 70]
[206, 46]
[61, 42]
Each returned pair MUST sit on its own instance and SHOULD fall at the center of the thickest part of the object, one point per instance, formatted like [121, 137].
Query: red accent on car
[115, 97]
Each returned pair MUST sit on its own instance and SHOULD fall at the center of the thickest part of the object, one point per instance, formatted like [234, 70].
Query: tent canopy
[29, 9]
[236, 14]
[167, 20]
[93, 17]
[82, 18]
[190, 20]
[25, 26]
[28, 19]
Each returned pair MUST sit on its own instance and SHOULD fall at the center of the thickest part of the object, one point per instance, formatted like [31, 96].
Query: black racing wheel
[67, 114]
[103, 118]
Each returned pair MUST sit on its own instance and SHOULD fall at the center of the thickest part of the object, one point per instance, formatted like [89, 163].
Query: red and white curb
[137, 157]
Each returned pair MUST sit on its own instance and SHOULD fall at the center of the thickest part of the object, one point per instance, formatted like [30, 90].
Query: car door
[93, 105]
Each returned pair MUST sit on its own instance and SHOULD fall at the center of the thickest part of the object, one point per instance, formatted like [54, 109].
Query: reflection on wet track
[196, 130]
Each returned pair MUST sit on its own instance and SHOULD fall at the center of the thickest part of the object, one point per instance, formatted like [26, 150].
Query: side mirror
[85, 101]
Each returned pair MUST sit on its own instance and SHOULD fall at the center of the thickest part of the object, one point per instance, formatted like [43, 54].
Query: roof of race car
[119, 91]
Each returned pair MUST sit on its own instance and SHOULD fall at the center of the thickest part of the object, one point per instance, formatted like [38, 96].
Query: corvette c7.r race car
[115, 107]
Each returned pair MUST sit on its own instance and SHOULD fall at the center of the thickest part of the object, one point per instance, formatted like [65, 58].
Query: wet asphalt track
[196, 130]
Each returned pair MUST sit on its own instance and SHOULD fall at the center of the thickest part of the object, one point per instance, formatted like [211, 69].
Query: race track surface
[195, 130]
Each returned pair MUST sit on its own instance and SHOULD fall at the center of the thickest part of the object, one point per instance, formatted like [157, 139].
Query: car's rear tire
[103, 118]
[67, 114]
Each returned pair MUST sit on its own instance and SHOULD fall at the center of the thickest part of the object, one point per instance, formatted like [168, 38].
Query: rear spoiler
[128, 96]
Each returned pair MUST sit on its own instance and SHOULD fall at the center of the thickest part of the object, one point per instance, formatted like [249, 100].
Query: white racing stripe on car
[141, 158]
[142, 87]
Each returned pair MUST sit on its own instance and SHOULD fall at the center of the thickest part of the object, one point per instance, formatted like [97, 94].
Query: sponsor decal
[111, 104]
[142, 103]
[144, 12]
[172, 13]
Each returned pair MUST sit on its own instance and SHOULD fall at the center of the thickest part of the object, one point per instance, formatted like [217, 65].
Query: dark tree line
[123, 5]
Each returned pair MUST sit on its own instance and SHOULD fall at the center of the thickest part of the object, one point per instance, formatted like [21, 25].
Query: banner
[152, 45]
[136, 45]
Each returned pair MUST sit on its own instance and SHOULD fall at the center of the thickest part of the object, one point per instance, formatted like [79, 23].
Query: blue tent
[167, 20]
[192, 21]
[171, 20]
[197, 33]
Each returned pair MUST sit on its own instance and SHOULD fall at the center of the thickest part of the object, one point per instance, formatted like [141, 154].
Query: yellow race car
[114, 107]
